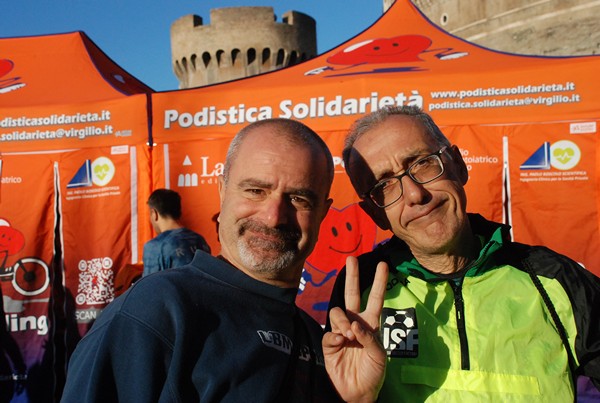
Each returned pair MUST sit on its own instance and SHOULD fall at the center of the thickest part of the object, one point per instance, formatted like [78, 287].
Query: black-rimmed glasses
[389, 190]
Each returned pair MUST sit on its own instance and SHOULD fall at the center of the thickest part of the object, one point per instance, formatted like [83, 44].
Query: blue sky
[135, 33]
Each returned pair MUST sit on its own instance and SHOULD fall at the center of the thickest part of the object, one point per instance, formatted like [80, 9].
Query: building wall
[239, 42]
[543, 27]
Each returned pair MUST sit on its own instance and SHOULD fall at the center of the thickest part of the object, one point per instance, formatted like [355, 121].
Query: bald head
[293, 131]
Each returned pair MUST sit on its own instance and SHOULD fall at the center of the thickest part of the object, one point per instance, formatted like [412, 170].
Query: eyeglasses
[389, 190]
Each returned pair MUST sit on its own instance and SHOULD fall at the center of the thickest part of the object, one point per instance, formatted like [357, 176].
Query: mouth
[261, 236]
[423, 213]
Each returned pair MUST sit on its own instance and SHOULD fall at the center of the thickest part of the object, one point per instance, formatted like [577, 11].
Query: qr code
[96, 281]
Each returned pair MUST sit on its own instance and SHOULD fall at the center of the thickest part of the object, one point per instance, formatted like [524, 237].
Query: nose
[414, 193]
[275, 211]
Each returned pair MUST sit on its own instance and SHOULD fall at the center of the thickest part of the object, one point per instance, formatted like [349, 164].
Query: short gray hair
[364, 124]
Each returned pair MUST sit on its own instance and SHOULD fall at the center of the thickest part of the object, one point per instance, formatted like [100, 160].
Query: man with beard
[226, 329]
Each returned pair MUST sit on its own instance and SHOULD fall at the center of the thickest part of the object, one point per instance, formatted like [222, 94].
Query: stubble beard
[267, 256]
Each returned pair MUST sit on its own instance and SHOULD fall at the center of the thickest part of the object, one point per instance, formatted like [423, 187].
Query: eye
[254, 193]
[301, 203]
[334, 231]
[385, 186]
[423, 164]
[349, 226]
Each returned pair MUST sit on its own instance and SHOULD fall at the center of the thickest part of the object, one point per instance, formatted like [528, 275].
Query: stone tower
[548, 27]
[239, 42]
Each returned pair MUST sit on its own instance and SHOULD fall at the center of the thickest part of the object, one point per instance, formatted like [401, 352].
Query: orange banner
[99, 210]
[554, 188]
[27, 273]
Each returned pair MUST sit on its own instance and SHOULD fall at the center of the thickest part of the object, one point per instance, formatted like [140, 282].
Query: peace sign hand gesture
[354, 357]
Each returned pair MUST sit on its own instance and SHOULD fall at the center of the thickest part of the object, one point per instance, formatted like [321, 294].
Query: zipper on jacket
[456, 285]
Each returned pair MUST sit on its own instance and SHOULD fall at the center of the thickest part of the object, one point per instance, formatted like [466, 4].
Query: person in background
[467, 314]
[226, 328]
[174, 244]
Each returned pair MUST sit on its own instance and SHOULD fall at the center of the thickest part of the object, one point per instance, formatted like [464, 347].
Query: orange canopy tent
[74, 165]
[527, 128]
[75, 168]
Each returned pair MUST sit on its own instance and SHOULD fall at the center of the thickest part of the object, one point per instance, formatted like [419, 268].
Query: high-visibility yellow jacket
[485, 334]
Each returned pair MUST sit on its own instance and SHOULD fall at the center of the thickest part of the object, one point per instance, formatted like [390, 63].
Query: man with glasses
[467, 314]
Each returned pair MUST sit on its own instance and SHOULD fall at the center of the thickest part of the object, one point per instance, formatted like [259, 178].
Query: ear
[462, 171]
[153, 214]
[222, 187]
[377, 214]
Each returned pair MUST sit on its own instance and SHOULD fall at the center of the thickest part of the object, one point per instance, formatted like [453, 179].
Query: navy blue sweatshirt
[205, 332]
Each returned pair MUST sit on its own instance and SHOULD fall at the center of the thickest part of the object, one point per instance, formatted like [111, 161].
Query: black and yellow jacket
[490, 332]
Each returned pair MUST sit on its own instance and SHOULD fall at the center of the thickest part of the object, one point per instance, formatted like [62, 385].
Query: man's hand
[354, 357]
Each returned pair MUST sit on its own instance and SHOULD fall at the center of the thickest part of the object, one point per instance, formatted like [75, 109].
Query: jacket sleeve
[583, 289]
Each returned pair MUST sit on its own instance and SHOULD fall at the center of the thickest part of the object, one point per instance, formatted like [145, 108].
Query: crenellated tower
[239, 42]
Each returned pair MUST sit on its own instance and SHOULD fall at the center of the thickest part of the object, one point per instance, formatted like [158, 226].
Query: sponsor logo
[400, 333]
[562, 155]
[554, 162]
[276, 340]
[91, 180]
[283, 343]
[98, 172]
[206, 174]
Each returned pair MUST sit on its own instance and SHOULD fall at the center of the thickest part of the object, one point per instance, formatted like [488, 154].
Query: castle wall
[546, 27]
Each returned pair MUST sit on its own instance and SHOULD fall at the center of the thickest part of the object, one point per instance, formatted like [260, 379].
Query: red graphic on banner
[343, 233]
[11, 240]
[399, 49]
[29, 275]
[8, 84]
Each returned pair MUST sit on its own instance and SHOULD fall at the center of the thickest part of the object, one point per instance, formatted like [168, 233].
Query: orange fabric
[60, 69]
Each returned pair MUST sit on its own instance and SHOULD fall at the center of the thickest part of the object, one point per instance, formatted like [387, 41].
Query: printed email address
[498, 103]
[58, 134]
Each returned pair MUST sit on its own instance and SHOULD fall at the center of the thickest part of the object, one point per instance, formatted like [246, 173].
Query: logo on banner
[406, 53]
[8, 84]
[98, 172]
[400, 333]
[208, 173]
[563, 155]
